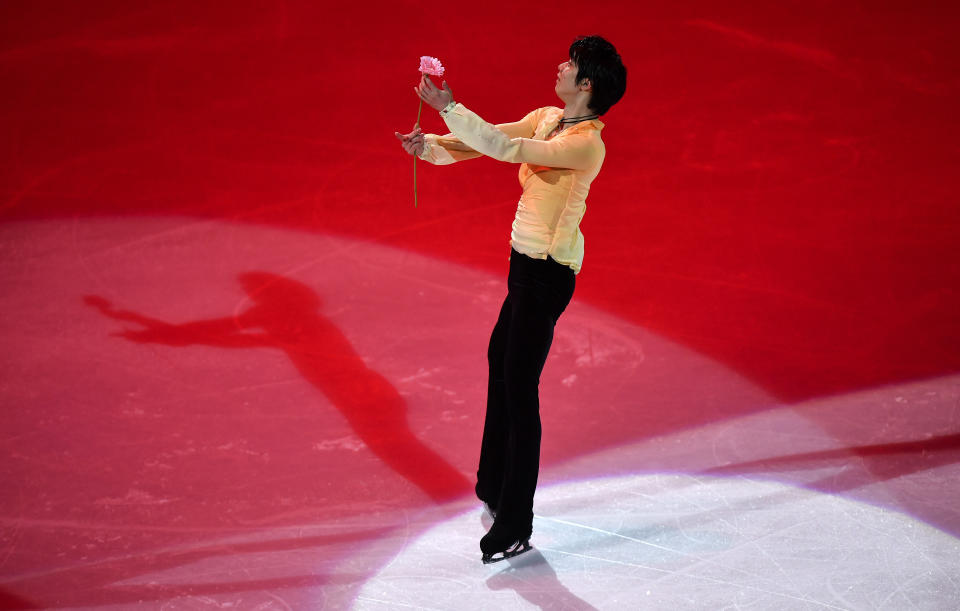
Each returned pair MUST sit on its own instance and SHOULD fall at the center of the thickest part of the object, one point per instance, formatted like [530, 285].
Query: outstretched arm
[579, 152]
[449, 148]
[438, 150]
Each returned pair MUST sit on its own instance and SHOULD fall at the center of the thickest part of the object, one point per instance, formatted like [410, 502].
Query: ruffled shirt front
[555, 173]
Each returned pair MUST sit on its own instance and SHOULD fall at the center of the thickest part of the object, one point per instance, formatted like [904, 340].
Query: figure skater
[560, 153]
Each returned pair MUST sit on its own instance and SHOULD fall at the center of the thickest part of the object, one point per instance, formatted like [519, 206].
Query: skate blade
[515, 550]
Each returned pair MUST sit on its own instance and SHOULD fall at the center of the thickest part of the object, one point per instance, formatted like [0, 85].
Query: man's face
[566, 79]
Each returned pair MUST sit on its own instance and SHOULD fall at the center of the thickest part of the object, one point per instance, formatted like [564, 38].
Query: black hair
[598, 60]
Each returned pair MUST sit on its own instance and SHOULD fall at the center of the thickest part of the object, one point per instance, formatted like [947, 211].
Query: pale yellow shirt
[555, 174]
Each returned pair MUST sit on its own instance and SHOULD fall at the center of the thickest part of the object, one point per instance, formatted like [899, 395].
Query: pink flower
[431, 65]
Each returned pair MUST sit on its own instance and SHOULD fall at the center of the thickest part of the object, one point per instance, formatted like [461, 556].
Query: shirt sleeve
[578, 151]
[447, 149]
[444, 150]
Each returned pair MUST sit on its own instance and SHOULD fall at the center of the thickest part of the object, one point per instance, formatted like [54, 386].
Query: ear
[585, 85]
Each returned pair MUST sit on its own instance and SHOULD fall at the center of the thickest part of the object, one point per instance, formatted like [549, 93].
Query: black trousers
[538, 292]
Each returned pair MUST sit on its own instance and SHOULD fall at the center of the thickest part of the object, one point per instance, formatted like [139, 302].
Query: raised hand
[412, 142]
[434, 97]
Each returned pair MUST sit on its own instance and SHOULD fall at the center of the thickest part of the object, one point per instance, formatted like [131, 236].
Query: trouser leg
[493, 448]
[524, 360]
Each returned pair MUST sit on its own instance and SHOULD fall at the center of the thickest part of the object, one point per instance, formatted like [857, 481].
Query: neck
[577, 106]
[576, 110]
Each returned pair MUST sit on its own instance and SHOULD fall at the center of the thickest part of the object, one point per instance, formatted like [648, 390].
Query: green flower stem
[415, 158]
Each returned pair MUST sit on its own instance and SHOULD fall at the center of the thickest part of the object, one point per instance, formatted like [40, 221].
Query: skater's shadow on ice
[532, 577]
[284, 314]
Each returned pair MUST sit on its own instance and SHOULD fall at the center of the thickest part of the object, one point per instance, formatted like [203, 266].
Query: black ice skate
[514, 550]
[499, 544]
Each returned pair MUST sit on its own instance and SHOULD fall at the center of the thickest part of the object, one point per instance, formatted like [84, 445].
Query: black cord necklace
[564, 122]
[572, 120]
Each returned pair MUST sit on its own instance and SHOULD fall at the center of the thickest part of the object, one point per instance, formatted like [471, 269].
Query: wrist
[447, 108]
